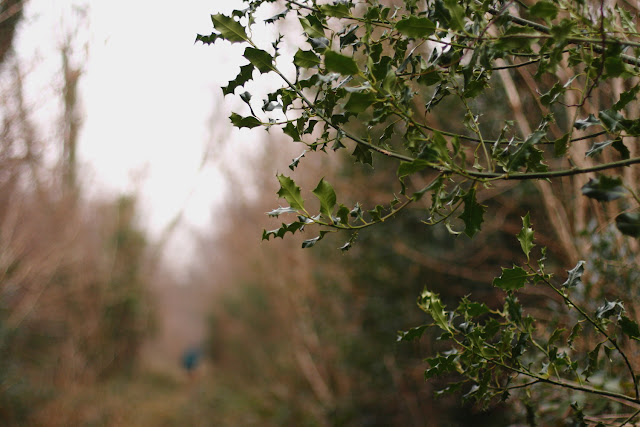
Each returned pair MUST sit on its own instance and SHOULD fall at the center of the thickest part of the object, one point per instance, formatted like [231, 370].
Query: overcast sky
[148, 95]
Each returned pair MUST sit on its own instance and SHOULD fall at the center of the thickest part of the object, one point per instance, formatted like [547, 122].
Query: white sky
[148, 94]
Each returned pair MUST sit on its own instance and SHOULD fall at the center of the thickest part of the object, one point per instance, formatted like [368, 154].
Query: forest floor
[146, 398]
[159, 393]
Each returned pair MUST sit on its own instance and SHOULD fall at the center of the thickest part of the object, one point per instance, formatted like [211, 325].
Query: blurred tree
[10, 15]
[74, 303]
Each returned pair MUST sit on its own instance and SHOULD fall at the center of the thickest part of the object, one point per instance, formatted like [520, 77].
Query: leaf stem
[551, 174]
[542, 379]
[630, 418]
[596, 325]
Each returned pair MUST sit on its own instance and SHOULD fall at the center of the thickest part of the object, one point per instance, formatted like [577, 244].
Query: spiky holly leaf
[261, 59]
[281, 210]
[416, 27]
[311, 242]
[343, 214]
[582, 124]
[338, 10]
[290, 192]
[412, 334]
[284, 229]
[629, 223]
[230, 29]
[609, 308]
[312, 26]
[244, 122]
[327, 197]
[575, 275]
[363, 155]
[612, 120]
[511, 279]
[604, 188]
[629, 327]
[341, 64]
[544, 10]
[525, 237]
[473, 213]
[528, 155]
[430, 303]
[306, 59]
[359, 101]
[245, 74]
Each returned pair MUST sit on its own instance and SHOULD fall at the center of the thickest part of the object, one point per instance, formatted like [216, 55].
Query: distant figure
[190, 359]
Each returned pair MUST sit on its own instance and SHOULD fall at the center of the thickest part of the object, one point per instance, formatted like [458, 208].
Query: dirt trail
[181, 313]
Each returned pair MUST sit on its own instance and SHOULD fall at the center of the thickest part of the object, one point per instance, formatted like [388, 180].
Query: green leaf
[621, 148]
[544, 10]
[612, 120]
[513, 308]
[339, 10]
[511, 278]
[363, 155]
[409, 168]
[472, 309]
[276, 17]
[599, 146]
[629, 224]
[312, 26]
[575, 275]
[294, 163]
[604, 188]
[527, 154]
[281, 210]
[525, 237]
[311, 242]
[359, 101]
[614, 66]
[290, 192]
[592, 362]
[626, 97]
[575, 332]
[327, 196]
[629, 327]
[230, 29]
[244, 122]
[341, 64]
[457, 14]
[283, 230]
[553, 95]
[561, 145]
[412, 334]
[516, 37]
[245, 74]
[416, 27]
[319, 44]
[343, 214]
[376, 213]
[306, 59]
[608, 309]
[555, 336]
[472, 215]
[436, 183]
[291, 130]
[582, 124]
[210, 39]
[430, 303]
[262, 60]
